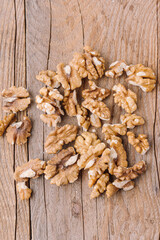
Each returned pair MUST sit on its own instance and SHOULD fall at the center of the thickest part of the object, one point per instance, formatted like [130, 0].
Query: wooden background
[38, 34]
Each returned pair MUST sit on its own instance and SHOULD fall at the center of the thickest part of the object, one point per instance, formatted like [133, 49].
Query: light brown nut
[141, 76]
[89, 64]
[32, 169]
[88, 159]
[5, 122]
[129, 186]
[50, 119]
[82, 117]
[140, 143]
[95, 121]
[18, 132]
[131, 120]
[24, 191]
[111, 190]
[60, 136]
[61, 160]
[116, 143]
[110, 130]
[95, 92]
[51, 93]
[120, 184]
[98, 108]
[48, 78]
[83, 142]
[100, 186]
[112, 161]
[125, 98]
[116, 69]
[130, 173]
[18, 92]
[70, 102]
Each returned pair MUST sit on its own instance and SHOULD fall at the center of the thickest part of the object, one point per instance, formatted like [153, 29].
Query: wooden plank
[7, 193]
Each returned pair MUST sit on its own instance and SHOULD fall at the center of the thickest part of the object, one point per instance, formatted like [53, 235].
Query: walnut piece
[140, 143]
[60, 136]
[129, 186]
[116, 69]
[141, 76]
[82, 117]
[95, 92]
[16, 99]
[24, 191]
[70, 102]
[5, 122]
[32, 169]
[50, 119]
[131, 120]
[83, 142]
[100, 186]
[125, 98]
[51, 93]
[130, 173]
[48, 78]
[18, 132]
[89, 64]
[111, 190]
[95, 121]
[113, 130]
[98, 108]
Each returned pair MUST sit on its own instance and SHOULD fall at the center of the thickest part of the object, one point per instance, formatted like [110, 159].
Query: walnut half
[24, 191]
[100, 186]
[140, 143]
[113, 130]
[116, 69]
[131, 120]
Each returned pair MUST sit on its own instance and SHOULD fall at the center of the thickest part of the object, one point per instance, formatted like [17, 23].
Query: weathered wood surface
[38, 34]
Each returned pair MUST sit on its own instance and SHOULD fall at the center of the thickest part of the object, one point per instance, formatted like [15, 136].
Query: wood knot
[76, 209]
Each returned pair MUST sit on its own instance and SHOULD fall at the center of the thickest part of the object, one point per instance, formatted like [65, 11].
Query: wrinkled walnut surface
[116, 69]
[48, 78]
[140, 143]
[24, 191]
[50, 119]
[70, 102]
[131, 120]
[82, 117]
[95, 121]
[100, 186]
[113, 130]
[5, 122]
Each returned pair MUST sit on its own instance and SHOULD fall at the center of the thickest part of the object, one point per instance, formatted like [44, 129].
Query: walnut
[32, 169]
[83, 142]
[89, 64]
[116, 143]
[51, 119]
[18, 132]
[113, 130]
[95, 121]
[95, 92]
[111, 190]
[82, 117]
[51, 93]
[24, 191]
[125, 98]
[70, 102]
[100, 186]
[5, 122]
[112, 161]
[48, 78]
[60, 136]
[16, 99]
[116, 69]
[129, 186]
[98, 108]
[140, 143]
[123, 173]
[120, 184]
[131, 120]
[88, 159]
[141, 76]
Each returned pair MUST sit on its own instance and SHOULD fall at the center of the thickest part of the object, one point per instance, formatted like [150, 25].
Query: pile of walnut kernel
[105, 161]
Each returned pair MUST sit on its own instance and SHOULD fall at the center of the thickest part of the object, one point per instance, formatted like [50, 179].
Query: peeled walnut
[60, 136]
[24, 191]
[32, 169]
[112, 161]
[126, 185]
[141, 76]
[89, 64]
[116, 69]
[18, 132]
[100, 186]
[111, 190]
[83, 142]
[88, 159]
[5, 122]
[51, 93]
[16, 99]
[48, 78]
[70, 102]
[95, 121]
[140, 143]
[116, 143]
[50, 119]
[113, 130]
[95, 92]
[98, 108]
[129, 186]
[131, 120]
[125, 98]
[82, 117]
[130, 173]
